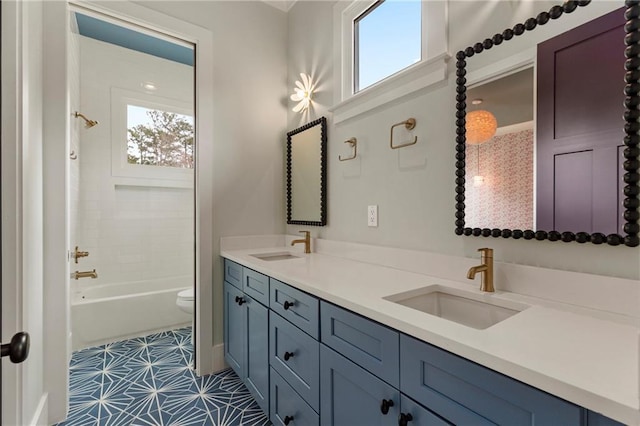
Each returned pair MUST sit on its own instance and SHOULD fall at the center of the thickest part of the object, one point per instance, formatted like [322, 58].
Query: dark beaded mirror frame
[322, 122]
[631, 131]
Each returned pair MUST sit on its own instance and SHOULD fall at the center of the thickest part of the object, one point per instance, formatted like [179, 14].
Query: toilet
[185, 301]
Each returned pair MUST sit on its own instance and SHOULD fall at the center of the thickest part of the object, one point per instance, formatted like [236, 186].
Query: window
[387, 39]
[152, 140]
[385, 50]
[159, 138]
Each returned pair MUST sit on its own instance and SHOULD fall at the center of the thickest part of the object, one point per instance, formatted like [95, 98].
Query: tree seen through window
[159, 138]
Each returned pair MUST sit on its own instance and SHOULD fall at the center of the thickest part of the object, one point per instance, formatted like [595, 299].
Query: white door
[24, 400]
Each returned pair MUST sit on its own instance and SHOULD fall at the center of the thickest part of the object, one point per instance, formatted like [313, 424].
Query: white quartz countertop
[578, 357]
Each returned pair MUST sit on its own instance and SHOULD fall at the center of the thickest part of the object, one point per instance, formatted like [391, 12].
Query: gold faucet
[84, 274]
[306, 241]
[486, 269]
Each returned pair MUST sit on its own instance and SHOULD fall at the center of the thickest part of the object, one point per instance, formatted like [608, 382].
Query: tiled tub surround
[585, 352]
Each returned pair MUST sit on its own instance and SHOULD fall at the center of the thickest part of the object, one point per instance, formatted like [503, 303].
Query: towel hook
[354, 144]
[409, 124]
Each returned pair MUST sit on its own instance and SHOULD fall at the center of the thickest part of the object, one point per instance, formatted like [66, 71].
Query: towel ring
[409, 124]
[354, 144]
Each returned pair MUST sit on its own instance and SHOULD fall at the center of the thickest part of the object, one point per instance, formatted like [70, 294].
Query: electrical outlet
[372, 216]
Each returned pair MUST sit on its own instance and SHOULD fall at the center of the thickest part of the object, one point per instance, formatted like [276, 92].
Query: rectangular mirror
[307, 174]
[547, 131]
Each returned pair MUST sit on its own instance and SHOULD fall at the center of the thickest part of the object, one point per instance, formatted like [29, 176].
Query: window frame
[125, 173]
[430, 70]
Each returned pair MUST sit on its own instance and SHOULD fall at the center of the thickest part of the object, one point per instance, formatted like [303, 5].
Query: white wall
[414, 187]
[132, 231]
[249, 120]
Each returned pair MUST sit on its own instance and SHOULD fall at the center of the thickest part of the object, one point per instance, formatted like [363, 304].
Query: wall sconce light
[480, 125]
[303, 93]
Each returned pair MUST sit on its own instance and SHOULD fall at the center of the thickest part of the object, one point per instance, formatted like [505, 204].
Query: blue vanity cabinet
[246, 332]
[463, 392]
[309, 362]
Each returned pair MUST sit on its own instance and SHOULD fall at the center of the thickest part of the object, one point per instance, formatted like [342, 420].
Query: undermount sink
[476, 310]
[275, 256]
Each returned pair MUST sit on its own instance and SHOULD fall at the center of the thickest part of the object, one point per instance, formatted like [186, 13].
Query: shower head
[87, 122]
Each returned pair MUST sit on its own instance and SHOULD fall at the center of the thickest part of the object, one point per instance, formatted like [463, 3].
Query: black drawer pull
[240, 300]
[288, 420]
[404, 419]
[288, 305]
[288, 355]
[386, 404]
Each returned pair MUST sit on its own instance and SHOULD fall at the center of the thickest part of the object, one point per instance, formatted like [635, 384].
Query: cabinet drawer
[233, 273]
[256, 285]
[419, 416]
[596, 419]
[464, 392]
[351, 396]
[286, 403]
[367, 343]
[301, 309]
[295, 355]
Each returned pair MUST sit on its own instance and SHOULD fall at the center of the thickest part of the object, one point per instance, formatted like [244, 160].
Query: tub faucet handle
[78, 254]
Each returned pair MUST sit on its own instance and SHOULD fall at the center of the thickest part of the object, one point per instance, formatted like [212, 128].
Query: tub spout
[84, 274]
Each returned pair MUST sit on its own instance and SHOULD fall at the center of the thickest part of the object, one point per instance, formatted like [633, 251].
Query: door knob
[17, 349]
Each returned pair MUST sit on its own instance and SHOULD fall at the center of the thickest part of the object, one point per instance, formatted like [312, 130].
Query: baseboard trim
[219, 363]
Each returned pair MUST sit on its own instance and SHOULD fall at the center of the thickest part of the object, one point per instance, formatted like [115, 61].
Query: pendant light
[480, 125]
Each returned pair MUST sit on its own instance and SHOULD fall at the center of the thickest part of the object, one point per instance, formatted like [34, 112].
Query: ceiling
[509, 98]
[120, 36]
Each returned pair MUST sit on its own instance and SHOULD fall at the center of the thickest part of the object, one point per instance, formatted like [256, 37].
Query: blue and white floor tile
[148, 381]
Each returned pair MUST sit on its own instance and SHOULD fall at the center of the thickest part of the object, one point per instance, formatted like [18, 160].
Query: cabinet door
[351, 396]
[257, 350]
[234, 329]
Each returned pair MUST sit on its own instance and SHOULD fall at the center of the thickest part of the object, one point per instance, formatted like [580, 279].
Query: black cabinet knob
[404, 419]
[240, 300]
[18, 349]
[386, 404]
[287, 420]
[288, 305]
[288, 355]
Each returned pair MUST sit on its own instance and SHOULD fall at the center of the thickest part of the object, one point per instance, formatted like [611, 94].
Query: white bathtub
[110, 312]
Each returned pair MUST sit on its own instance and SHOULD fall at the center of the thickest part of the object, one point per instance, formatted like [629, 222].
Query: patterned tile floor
[148, 381]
